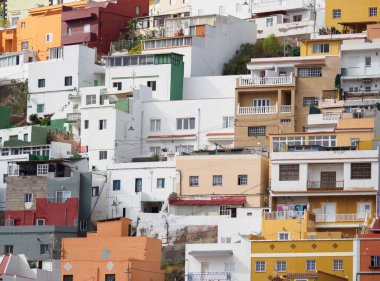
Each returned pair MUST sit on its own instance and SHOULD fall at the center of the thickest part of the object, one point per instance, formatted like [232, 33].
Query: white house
[52, 81]
[199, 39]
[15, 66]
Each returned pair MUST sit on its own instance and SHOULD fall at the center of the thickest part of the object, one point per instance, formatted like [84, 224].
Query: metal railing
[340, 217]
[284, 215]
[73, 117]
[325, 185]
[265, 81]
[209, 276]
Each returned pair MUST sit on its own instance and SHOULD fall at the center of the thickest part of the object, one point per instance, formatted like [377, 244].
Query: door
[363, 210]
[328, 180]
[329, 212]
[261, 105]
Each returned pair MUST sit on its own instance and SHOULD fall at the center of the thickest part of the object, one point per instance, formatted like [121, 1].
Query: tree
[18, 97]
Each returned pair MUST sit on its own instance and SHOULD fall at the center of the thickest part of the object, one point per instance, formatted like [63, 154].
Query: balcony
[77, 38]
[340, 217]
[278, 5]
[361, 95]
[209, 276]
[265, 81]
[260, 110]
[284, 215]
[73, 117]
[325, 185]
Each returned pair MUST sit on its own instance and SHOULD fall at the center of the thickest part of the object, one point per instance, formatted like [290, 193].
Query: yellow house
[41, 30]
[18, 9]
[351, 15]
[306, 260]
[317, 47]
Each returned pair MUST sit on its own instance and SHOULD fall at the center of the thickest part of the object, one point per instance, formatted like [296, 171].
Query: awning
[223, 200]
[212, 253]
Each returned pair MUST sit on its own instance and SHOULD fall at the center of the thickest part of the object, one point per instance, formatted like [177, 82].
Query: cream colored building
[218, 184]
[276, 97]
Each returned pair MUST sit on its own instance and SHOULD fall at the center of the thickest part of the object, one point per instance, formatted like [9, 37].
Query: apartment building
[55, 82]
[40, 31]
[81, 26]
[46, 200]
[218, 183]
[277, 96]
[367, 260]
[353, 17]
[338, 185]
[111, 254]
[15, 66]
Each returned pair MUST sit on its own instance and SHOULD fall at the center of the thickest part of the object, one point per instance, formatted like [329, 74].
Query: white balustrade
[266, 81]
[253, 110]
[340, 217]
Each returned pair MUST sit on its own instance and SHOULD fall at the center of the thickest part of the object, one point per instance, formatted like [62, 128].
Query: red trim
[223, 200]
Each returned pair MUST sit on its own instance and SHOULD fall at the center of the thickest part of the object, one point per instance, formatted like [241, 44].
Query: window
[86, 28]
[40, 222]
[217, 180]
[260, 266]
[102, 155]
[83, 225]
[24, 45]
[338, 265]
[284, 121]
[44, 249]
[40, 108]
[23, 24]
[95, 191]
[155, 125]
[372, 12]
[138, 185]
[225, 210]
[41, 83]
[152, 84]
[289, 172]
[160, 183]
[280, 266]
[49, 37]
[69, 30]
[137, 10]
[310, 101]
[28, 197]
[8, 249]
[62, 196]
[117, 85]
[116, 185]
[13, 169]
[225, 240]
[229, 266]
[354, 141]
[155, 150]
[363, 210]
[68, 81]
[194, 181]
[15, 20]
[328, 141]
[102, 124]
[321, 48]
[310, 265]
[337, 14]
[42, 169]
[56, 53]
[228, 121]
[110, 277]
[297, 18]
[269, 22]
[26, 137]
[280, 144]
[242, 179]
[360, 171]
[185, 123]
[367, 61]
[172, 2]
[256, 131]
[5, 178]
[86, 124]
[68, 278]
[90, 99]
[310, 72]
[283, 236]
[375, 261]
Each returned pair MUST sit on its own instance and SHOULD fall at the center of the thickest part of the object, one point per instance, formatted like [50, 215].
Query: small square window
[372, 12]
[90, 99]
[95, 191]
[242, 179]
[110, 277]
[42, 169]
[117, 85]
[152, 84]
[160, 183]
[337, 14]
[217, 180]
[281, 266]
[86, 124]
[41, 83]
[68, 278]
[40, 222]
[68, 81]
[8, 249]
[116, 185]
[338, 265]
[28, 197]
[256, 131]
[375, 261]
[155, 125]
[24, 45]
[102, 155]
[40, 108]
[44, 249]
[194, 181]
[260, 266]
[283, 236]
[269, 22]
[310, 265]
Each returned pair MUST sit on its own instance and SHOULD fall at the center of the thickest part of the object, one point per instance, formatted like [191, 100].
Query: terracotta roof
[4, 263]
[222, 200]
[171, 136]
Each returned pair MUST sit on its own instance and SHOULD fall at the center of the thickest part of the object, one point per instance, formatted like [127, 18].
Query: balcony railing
[340, 217]
[361, 95]
[325, 185]
[284, 215]
[73, 117]
[209, 276]
[277, 5]
[253, 110]
[265, 81]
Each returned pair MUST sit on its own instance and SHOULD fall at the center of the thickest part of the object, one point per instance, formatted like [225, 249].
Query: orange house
[41, 30]
[111, 255]
[8, 40]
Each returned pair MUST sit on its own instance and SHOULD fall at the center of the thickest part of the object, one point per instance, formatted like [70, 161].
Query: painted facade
[112, 253]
